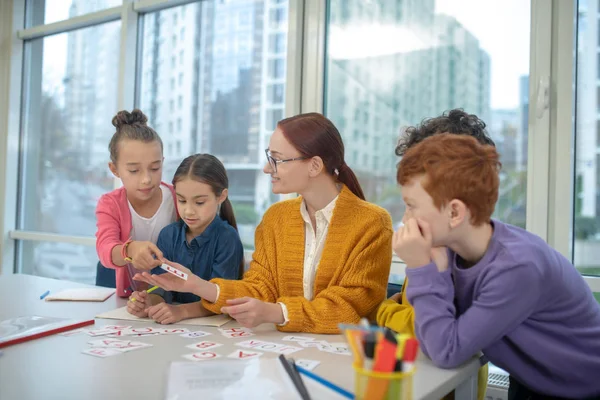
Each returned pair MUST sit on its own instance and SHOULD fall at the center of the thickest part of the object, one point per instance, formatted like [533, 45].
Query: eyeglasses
[273, 161]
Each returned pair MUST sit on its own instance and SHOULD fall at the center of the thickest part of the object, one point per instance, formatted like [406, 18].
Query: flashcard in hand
[297, 339]
[308, 364]
[245, 354]
[175, 272]
[203, 356]
[205, 345]
[196, 334]
[101, 352]
[234, 333]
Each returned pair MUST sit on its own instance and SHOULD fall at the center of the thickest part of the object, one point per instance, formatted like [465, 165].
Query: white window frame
[549, 172]
[12, 17]
[551, 110]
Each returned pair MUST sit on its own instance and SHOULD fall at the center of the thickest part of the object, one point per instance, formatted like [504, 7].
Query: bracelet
[124, 251]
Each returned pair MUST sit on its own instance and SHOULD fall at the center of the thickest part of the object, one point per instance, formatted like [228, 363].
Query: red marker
[385, 361]
[411, 348]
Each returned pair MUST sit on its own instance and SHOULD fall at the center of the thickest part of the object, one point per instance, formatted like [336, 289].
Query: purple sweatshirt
[523, 305]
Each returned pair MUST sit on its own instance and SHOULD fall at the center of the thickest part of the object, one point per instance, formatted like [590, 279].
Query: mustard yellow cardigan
[352, 275]
[400, 317]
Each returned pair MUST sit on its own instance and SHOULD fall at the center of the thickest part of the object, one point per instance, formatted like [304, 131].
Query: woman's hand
[251, 312]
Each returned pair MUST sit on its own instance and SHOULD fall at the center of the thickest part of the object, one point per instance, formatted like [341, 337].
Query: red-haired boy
[478, 284]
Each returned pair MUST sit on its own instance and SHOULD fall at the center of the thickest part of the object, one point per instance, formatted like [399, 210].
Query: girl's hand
[397, 297]
[164, 313]
[142, 255]
[169, 281]
[138, 307]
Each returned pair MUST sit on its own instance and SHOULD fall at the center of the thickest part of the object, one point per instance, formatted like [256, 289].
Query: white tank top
[147, 229]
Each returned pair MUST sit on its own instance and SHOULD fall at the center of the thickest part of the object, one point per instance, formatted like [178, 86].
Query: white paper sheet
[122, 314]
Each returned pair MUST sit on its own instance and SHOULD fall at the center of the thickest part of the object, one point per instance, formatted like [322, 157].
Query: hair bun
[129, 118]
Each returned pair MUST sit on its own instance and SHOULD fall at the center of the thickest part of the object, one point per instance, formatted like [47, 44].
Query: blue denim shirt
[216, 253]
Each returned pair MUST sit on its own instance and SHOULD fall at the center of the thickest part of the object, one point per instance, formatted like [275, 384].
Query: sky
[501, 26]
[503, 29]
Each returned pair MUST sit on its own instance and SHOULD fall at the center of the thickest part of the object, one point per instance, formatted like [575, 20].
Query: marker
[385, 361]
[152, 289]
[370, 342]
[355, 340]
[401, 340]
[411, 348]
[43, 296]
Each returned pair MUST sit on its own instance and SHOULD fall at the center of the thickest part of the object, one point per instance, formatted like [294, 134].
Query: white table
[54, 367]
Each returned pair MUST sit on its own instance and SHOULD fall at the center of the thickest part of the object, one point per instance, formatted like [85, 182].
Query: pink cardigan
[113, 220]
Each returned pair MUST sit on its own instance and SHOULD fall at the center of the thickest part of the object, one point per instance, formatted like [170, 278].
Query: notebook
[82, 294]
[21, 329]
[121, 313]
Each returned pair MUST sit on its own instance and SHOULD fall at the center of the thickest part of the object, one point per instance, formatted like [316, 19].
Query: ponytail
[348, 178]
[227, 214]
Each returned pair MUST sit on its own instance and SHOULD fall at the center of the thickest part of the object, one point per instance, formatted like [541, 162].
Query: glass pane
[41, 12]
[69, 104]
[587, 138]
[220, 91]
[59, 261]
[393, 63]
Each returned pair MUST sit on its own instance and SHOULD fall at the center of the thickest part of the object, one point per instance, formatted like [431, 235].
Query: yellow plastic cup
[370, 385]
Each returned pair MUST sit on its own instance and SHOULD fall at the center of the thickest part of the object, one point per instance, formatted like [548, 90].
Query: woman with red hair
[320, 259]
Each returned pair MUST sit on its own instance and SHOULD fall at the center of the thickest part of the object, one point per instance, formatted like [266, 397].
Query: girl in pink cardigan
[130, 218]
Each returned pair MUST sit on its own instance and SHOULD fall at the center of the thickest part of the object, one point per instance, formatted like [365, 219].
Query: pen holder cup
[370, 385]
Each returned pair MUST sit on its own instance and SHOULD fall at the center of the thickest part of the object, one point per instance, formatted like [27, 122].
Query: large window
[70, 99]
[225, 92]
[216, 76]
[210, 75]
[392, 64]
[587, 143]
[48, 11]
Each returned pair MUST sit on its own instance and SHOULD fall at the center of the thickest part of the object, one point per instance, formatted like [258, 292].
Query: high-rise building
[370, 97]
[91, 87]
[214, 81]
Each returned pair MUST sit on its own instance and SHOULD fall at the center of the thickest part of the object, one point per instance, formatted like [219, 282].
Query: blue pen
[46, 293]
[325, 383]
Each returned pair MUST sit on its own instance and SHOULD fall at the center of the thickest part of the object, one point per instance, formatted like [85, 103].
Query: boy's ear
[316, 166]
[223, 196]
[113, 169]
[458, 212]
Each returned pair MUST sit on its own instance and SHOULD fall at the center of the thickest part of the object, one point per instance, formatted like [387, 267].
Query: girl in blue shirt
[205, 239]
